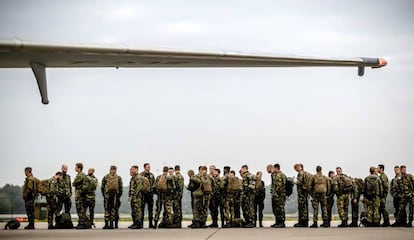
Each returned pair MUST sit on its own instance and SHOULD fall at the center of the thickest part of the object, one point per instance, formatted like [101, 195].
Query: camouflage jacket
[67, 187]
[29, 188]
[278, 185]
[151, 179]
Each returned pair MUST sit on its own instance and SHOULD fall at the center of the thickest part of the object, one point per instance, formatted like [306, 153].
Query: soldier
[215, 197]
[303, 195]
[371, 201]
[177, 201]
[191, 187]
[330, 197]
[135, 197]
[90, 195]
[237, 199]
[342, 186]
[406, 185]
[148, 198]
[383, 196]
[278, 192]
[221, 195]
[65, 198]
[201, 197]
[397, 194]
[355, 195]
[79, 196]
[259, 198]
[319, 186]
[29, 195]
[111, 188]
[52, 198]
[162, 183]
[248, 192]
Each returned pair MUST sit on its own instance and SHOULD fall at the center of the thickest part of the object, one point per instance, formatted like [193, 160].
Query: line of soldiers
[227, 195]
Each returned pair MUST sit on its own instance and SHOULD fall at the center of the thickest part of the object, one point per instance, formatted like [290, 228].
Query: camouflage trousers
[355, 209]
[342, 202]
[330, 202]
[111, 205]
[201, 204]
[303, 210]
[80, 208]
[396, 203]
[247, 204]
[371, 206]
[319, 199]
[29, 205]
[214, 207]
[177, 209]
[52, 208]
[383, 209]
[229, 212]
[148, 198]
[406, 200]
[136, 208]
[258, 208]
[90, 206]
[164, 202]
[278, 207]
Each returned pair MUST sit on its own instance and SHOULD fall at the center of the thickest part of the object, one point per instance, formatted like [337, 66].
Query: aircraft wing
[21, 54]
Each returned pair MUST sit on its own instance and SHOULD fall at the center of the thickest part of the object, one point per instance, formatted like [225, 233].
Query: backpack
[258, 184]
[89, 184]
[145, 184]
[320, 184]
[289, 186]
[306, 180]
[345, 185]
[64, 221]
[371, 186]
[359, 184]
[234, 183]
[206, 184]
[112, 183]
[162, 183]
[41, 186]
[12, 224]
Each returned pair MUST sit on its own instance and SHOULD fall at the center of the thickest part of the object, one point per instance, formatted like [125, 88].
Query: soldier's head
[403, 169]
[298, 167]
[190, 173]
[269, 168]
[276, 168]
[211, 169]
[216, 172]
[397, 170]
[380, 168]
[165, 169]
[226, 170]
[372, 170]
[233, 173]
[259, 174]
[244, 168]
[147, 167]
[58, 175]
[133, 170]
[338, 171]
[331, 174]
[112, 170]
[28, 171]
[64, 169]
[91, 171]
[318, 169]
[78, 167]
[171, 171]
[177, 168]
[203, 169]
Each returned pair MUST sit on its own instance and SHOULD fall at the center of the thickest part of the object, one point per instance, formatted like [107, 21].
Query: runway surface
[210, 233]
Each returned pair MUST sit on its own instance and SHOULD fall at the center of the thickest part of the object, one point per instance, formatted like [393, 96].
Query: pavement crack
[212, 234]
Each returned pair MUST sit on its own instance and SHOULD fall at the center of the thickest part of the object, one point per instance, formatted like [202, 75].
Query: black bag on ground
[64, 221]
[12, 224]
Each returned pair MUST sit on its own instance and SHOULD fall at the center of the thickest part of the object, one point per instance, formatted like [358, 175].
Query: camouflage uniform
[342, 198]
[397, 194]
[80, 197]
[29, 192]
[303, 196]
[53, 200]
[406, 185]
[111, 200]
[355, 196]
[372, 202]
[215, 201]
[247, 200]
[330, 201]
[259, 198]
[136, 197]
[65, 197]
[383, 199]
[319, 197]
[90, 200]
[164, 200]
[148, 198]
[201, 203]
[177, 200]
[278, 192]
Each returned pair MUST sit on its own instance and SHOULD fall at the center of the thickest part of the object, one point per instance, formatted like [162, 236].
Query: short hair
[28, 169]
[397, 166]
[113, 167]
[203, 167]
[277, 166]
[226, 168]
[177, 167]
[338, 168]
[381, 166]
[58, 174]
[232, 171]
[165, 169]
[372, 170]
[331, 172]
[79, 165]
[146, 164]
[403, 166]
[318, 168]
[218, 170]
[135, 166]
[245, 166]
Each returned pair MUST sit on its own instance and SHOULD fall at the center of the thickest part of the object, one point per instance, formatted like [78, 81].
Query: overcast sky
[326, 116]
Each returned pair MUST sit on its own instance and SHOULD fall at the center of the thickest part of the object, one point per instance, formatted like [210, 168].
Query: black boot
[281, 224]
[353, 224]
[386, 223]
[214, 224]
[155, 225]
[106, 225]
[260, 223]
[314, 225]
[409, 224]
[344, 224]
[111, 224]
[196, 224]
[150, 224]
[116, 224]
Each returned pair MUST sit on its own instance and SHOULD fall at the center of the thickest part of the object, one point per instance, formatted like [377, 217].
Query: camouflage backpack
[206, 184]
[234, 183]
[162, 183]
[145, 184]
[320, 184]
[306, 180]
[89, 184]
[41, 186]
[371, 186]
[112, 183]
[359, 184]
[345, 184]
[289, 186]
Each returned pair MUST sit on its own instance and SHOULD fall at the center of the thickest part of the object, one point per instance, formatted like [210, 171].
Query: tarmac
[123, 233]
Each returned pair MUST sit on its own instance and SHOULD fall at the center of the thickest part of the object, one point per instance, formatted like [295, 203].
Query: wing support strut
[361, 71]
[39, 71]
